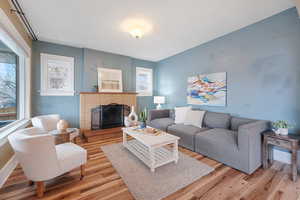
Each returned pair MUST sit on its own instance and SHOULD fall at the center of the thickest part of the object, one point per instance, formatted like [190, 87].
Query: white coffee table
[151, 149]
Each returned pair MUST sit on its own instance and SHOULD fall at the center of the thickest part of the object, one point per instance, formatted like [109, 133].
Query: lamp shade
[159, 99]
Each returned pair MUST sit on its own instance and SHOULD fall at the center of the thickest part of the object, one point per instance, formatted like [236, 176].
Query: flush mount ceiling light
[136, 32]
[137, 28]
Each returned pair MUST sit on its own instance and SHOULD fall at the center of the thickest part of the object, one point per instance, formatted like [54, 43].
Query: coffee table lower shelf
[153, 158]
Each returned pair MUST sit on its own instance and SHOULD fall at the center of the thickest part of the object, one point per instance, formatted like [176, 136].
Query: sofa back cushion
[156, 114]
[216, 120]
[238, 121]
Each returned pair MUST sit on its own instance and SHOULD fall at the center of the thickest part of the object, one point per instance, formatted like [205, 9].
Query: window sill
[144, 94]
[5, 131]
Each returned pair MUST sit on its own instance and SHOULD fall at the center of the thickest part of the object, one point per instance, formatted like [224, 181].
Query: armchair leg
[30, 183]
[82, 170]
[40, 188]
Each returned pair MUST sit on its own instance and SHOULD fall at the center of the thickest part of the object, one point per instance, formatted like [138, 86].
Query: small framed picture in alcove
[110, 80]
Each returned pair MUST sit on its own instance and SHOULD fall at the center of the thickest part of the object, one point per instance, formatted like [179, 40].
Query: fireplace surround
[90, 100]
[108, 116]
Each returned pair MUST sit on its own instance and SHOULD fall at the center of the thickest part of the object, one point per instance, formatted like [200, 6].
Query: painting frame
[110, 80]
[57, 75]
[147, 88]
[207, 89]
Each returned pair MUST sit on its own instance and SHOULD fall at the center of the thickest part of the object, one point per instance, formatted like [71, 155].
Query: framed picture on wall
[110, 80]
[57, 75]
[144, 81]
[207, 89]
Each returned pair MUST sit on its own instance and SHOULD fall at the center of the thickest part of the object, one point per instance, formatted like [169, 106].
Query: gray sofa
[233, 141]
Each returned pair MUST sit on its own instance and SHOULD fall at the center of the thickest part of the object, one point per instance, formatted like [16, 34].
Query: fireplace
[108, 116]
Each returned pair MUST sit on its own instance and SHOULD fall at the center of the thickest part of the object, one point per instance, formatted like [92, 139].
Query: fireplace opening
[108, 116]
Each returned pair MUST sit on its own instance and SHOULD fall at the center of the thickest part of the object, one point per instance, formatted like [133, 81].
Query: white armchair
[41, 159]
[49, 123]
[46, 122]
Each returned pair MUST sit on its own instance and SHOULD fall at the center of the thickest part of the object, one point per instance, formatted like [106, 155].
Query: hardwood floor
[102, 182]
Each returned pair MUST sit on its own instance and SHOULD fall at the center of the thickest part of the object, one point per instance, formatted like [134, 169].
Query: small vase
[143, 125]
[133, 116]
[283, 131]
[62, 125]
[127, 122]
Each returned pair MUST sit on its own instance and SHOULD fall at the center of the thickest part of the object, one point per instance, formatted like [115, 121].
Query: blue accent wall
[86, 63]
[262, 62]
[66, 106]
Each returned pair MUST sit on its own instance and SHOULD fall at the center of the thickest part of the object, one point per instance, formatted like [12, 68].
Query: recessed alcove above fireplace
[90, 100]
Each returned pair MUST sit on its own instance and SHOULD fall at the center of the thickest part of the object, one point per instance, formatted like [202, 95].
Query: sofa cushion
[238, 121]
[217, 143]
[161, 123]
[221, 145]
[186, 133]
[216, 120]
[218, 136]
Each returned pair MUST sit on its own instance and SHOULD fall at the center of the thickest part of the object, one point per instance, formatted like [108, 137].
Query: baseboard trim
[8, 169]
[282, 156]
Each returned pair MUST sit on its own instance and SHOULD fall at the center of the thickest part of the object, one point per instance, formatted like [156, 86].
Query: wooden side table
[63, 137]
[290, 142]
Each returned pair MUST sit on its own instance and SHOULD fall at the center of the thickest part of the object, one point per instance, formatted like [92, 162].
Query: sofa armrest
[249, 133]
[156, 114]
[250, 141]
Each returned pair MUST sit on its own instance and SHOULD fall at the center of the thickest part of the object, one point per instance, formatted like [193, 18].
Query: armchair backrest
[46, 122]
[35, 150]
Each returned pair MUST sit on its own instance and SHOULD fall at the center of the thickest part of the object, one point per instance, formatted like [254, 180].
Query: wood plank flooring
[102, 182]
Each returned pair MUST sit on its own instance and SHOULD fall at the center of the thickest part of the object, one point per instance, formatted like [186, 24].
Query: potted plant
[143, 118]
[281, 127]
[95, 88]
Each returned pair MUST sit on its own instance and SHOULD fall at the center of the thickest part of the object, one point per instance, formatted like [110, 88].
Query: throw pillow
[194, 117]
[180, 114]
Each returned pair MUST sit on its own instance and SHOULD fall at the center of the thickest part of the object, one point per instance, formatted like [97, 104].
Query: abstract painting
[207, 89]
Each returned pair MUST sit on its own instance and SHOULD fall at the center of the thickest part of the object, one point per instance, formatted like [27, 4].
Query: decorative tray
[150, 131]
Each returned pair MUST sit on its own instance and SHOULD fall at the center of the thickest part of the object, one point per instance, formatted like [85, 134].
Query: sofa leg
[40, 188]
[82, 170]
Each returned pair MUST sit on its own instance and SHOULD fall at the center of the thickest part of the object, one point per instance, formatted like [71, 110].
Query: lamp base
[158, 107]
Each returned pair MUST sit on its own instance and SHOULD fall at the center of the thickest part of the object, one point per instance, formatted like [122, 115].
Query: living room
[149, 100]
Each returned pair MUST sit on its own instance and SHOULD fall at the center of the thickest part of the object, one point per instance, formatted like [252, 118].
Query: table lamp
[159, 100]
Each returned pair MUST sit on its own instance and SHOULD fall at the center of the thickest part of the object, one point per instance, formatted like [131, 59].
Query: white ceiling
[177, 25]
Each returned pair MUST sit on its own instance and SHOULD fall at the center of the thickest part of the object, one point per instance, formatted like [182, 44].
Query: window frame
[17, 82]
[10, 36]
[140, 70]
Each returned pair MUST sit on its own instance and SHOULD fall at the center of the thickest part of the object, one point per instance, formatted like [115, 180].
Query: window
[144, 81]
[8, 86]
[15, 78]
